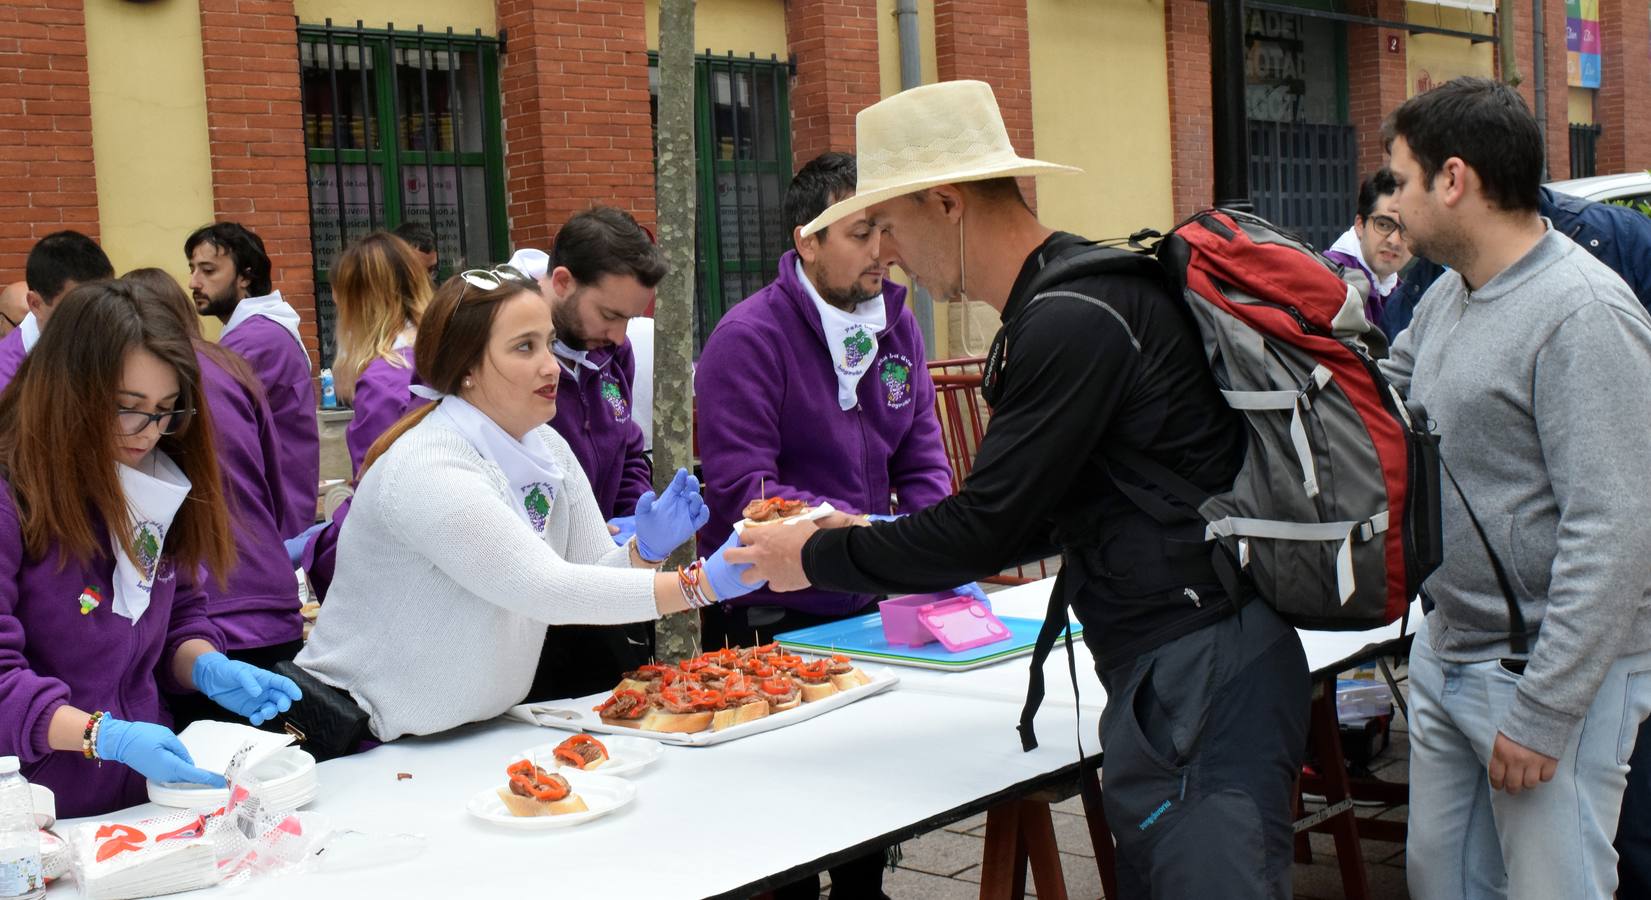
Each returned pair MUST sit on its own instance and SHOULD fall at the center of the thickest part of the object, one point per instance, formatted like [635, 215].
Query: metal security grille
[401, 126]
[1584, 146]
[743, 142]
[1305, 177]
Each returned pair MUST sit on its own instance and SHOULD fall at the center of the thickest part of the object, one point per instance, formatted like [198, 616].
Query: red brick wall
[1377, 77]
[835, 45]
[988, 40]
[575, 101]
[46, 177]
[255, 125]
[1192, 135]
[1625, 87]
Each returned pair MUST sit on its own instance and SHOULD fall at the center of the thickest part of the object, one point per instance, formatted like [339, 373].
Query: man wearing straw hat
[1206, 718]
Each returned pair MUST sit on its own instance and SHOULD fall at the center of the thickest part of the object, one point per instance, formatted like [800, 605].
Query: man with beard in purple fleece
[600, 273]
[229, 277]
[814, 388]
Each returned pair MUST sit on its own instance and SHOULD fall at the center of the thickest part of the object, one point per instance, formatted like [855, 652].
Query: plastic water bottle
[20, 877]
[329, 397]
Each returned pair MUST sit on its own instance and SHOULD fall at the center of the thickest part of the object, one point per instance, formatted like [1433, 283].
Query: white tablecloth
[705, 821]
[937, 743]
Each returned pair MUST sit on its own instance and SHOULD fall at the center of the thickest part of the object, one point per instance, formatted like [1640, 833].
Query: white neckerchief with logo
[153, 494]
[1349, 244]
[535, 478]
[573, 361]
[29, 333]
[850, 338]
[271, 307]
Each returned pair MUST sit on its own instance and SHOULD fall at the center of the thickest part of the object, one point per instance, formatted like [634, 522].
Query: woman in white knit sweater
[473, 528]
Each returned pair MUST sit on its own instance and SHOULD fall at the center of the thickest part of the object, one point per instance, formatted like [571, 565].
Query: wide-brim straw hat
[936, 134]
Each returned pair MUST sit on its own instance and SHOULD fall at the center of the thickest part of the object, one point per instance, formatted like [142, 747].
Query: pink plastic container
[901, 623]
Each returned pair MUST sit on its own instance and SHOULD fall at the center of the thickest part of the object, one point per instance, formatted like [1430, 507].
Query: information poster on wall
[1582, 43]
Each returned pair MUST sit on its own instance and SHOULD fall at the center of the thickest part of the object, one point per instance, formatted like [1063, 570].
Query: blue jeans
[1467, 841]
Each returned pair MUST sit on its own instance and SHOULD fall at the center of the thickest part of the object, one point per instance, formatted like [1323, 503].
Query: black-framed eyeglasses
[9, 319]
[134, 421]
[1385, 225]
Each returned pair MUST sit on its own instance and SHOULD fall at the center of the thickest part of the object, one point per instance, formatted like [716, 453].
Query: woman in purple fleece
[381, 289]
[110, 507]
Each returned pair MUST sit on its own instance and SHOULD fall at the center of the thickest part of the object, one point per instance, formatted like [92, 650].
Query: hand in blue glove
[153, 750]
[879, 517]
[973, 590]
[622, 528]
[295, 545]
[243, 689]
[663, 523]
[726, 579]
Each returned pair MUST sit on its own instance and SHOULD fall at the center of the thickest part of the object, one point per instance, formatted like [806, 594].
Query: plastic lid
[9, 764]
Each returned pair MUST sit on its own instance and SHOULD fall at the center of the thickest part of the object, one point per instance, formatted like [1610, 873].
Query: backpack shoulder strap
[1077, 261]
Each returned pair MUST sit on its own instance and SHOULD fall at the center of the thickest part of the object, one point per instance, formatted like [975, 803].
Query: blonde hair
[379, 288]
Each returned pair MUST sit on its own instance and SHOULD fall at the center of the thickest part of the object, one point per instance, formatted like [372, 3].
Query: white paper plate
[626, 756]
[602, 794]
[288, 777]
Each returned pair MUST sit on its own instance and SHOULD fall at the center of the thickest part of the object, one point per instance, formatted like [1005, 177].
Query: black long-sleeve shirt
[1100, 361]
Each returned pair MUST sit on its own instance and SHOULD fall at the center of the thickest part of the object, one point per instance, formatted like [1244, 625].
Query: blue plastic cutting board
[862, 638]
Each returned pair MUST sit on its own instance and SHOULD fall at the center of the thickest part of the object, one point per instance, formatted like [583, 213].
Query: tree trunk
[676, 637]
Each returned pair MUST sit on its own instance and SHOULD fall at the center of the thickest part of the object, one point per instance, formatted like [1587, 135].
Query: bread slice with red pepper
[676, 710]
[815, 678]
[532, 791]
[782, 693]
[742, 702]
[845, 674]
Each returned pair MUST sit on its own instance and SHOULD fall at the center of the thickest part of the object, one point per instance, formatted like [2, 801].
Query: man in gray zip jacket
[1531, 357]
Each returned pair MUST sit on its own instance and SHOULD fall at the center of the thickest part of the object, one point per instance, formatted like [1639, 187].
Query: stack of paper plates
[288, 777]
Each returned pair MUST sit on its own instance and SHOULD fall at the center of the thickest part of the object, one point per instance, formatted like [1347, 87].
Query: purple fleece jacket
[51, 655]
[769, 421]
[381, 399]
[284, 368]
[259, 608]
[11, 356]
[593, 414]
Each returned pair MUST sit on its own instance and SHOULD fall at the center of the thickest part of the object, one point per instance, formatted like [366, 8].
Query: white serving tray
[579, 715]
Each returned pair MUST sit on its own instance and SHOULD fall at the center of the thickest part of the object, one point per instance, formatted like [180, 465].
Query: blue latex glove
[879, 517]
[244, 689]
[663, 523]
[153, 750]
[296, 545]
[724, 576]
[626, 526]
[972, 589]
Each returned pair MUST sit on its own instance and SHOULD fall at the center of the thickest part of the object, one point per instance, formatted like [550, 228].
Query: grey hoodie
[1539, 384]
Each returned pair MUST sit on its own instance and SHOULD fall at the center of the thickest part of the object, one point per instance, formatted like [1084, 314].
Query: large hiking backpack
[1334, 514]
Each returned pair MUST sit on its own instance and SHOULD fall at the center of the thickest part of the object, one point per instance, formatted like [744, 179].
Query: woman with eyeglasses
[473, 528]
[380, 290]
[110, 507]
[257, 610]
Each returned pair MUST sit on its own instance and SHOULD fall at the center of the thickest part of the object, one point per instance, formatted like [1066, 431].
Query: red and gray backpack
[1334, 514]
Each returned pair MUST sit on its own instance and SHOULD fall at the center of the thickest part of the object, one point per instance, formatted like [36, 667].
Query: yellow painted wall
[743, 26]
[888, 45]
[464, 16]
[1433, 59]
[1580, 106]
[149, 138]
[1100, 101]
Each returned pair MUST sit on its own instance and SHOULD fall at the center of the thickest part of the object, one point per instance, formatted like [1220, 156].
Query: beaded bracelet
[88, 738]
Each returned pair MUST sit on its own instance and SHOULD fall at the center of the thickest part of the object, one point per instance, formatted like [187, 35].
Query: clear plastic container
[20, 872]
